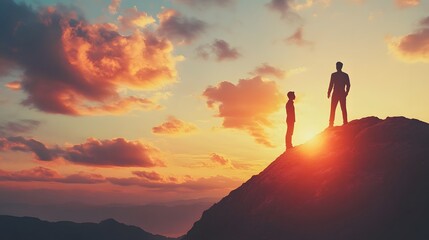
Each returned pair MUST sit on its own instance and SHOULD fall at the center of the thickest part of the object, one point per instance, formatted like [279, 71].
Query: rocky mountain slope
[365, 180]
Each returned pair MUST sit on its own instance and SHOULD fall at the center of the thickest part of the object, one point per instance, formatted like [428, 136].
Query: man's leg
[289, 133]
[344, 109]
[334, 102]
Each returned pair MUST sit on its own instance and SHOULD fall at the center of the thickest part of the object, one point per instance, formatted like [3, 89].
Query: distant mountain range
[171, 219]
[29, 228]
[367, 180]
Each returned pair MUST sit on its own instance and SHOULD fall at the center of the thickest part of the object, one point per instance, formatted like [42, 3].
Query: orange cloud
[246, 106]
[413, 47]
[174, 126]
[133, 18]
[84, 65]
[114, 6]
[15, 85]
[407, 3]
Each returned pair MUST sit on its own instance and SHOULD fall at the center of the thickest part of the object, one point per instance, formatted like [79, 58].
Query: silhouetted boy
[340, 82]
[290, 119]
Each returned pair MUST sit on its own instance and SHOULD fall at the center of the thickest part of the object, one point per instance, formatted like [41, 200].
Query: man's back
[339, 81]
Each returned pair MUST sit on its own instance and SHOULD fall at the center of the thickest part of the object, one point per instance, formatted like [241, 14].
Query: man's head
[339, 66]
[291, 95]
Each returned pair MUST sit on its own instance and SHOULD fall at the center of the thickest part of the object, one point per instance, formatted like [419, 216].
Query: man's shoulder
[339, 73]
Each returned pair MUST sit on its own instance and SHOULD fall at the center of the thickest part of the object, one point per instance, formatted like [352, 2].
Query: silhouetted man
[340, 82]
[290, 119]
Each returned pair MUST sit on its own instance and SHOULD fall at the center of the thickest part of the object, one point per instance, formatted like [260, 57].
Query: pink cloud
[115, 152]
[174, 126]
[267, 70]
[84, 65]
[413, 47]
[246, 105]
[297, 38]
[114, 6]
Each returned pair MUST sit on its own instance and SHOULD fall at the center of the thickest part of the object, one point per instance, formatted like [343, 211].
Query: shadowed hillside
[366, 180]
[28, 228]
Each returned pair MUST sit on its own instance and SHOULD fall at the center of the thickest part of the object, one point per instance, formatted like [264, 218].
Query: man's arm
[331, 85]
[347, 85]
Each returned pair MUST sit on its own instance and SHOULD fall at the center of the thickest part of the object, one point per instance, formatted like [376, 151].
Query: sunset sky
[150, 101]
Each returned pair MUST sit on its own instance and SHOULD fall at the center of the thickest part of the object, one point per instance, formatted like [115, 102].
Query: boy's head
[291, 95]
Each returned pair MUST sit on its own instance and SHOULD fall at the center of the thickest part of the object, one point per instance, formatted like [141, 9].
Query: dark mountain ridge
[29, 228]
[366, 180]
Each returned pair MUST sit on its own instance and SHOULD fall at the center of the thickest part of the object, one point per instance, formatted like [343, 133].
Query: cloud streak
[18, 127]
[42, 174]
[73, 67]
[267, 70]
[406, 3]
[206, 3]
[193, 184]
[147, 180]
[246, 105]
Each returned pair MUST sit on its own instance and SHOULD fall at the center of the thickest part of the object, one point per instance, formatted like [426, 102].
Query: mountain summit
[366, 180]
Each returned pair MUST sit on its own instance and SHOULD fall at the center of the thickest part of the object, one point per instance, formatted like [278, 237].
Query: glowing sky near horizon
[182, 99]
